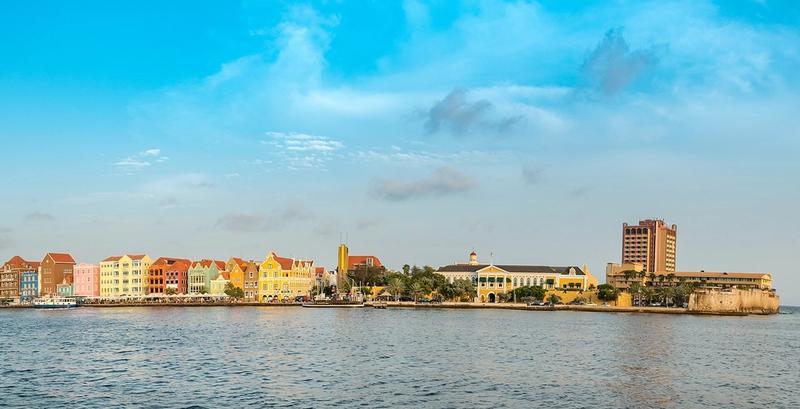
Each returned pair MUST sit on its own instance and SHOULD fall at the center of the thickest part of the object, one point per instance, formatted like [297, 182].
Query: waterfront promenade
[413, 305]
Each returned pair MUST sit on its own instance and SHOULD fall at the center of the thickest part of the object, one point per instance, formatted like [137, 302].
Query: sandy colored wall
[745, 301]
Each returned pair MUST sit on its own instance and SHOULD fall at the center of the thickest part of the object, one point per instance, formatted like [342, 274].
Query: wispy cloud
[532, 174]
[443, 181]
[612, 65]
[460, 116]
[141, 161]
[39, 216]
[277, 219]
[302, 151]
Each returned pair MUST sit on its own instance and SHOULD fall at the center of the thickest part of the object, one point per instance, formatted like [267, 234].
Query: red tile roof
[319, 270]
[352, 261]
[112, 258]
[286, 263]
[62, 258]
[19, 262]
[137, 256]
[241, 263]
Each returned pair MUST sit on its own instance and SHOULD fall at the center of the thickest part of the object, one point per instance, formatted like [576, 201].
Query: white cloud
[302, 151]
[140, 161]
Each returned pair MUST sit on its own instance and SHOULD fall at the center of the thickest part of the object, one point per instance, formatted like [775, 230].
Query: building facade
[65, 289]
[283, 279]
[235, 268]
[623, 275]
[250, 281]
[168, 275]
[10, 275]
[201, 273]
[219, 283]
[652, 243]
[494, 280]
[87, 280]
[28, 285]
[56, 268]
[124, 276]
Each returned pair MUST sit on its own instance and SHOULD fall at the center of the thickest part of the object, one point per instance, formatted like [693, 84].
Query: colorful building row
[135, 275]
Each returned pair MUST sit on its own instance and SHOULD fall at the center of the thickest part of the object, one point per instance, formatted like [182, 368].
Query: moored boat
[54, 303]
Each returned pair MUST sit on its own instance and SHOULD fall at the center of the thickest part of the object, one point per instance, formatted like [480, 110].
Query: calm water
[295, 357]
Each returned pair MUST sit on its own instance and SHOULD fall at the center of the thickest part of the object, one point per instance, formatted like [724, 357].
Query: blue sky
[420, 130]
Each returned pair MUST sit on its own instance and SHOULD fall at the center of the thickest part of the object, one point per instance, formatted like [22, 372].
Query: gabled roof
[112, 258]
[352, 261]
[471, 268]
[169, 261]
[137, 256]
[286, 263]
[239, 262]
[64, 258]
[207, 263]
[19, 262]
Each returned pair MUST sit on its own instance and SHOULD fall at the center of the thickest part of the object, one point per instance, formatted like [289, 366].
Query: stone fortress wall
[734, 301]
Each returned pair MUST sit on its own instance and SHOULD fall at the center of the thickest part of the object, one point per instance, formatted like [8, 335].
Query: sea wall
[734, 301]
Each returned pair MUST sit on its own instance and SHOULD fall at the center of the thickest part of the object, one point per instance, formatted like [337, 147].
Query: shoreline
[445, 305]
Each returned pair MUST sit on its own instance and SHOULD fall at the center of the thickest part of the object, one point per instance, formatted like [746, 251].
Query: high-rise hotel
[651, 243]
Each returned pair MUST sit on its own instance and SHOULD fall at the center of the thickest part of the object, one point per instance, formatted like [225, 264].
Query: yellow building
[219, 283]
[283, 279]
[124, 275]
[235, 269]
[494, 280]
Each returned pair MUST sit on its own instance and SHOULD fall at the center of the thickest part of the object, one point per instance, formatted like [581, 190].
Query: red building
[56, 268]
[10, 274]
[167, 273]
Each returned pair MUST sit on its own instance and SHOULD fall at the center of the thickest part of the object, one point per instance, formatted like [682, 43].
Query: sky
[414, 130]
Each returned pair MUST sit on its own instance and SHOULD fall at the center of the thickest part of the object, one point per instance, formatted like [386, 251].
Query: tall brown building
[10, 273]
[651, 243]
[56, 268]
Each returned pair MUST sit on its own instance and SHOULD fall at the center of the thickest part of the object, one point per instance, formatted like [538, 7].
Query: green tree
[553, 299]
[170, 291]
[396, 287]
[233, 291]
[464, 289]
[607, 292]
[417, 290]
[636, 292]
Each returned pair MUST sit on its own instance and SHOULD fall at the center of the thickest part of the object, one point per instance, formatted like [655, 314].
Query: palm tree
[636, 289]
[628, 274]
[661, 279]
[396, 287]
[671, 278]
[652, 277]
[417, 289]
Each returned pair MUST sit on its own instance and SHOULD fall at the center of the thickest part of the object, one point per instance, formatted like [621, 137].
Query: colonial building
[124, 275]
[55, 269]
[235, 268]
[168, 273]
[10, 275]
[347, 263]
[282, 278]
[250, 281]
[65, 289]
[219, 283]
[87, 280]
[492, 280]
[623, 275]
[201, 273]
[28, 285]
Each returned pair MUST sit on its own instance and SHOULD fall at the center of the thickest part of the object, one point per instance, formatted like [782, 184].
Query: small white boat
[54, 302]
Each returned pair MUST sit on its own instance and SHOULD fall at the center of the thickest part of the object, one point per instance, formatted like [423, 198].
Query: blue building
[28, 285]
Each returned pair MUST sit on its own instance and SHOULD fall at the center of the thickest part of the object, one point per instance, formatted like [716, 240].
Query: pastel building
[10, 275]
[64, 289]
[201, 273]
[28, 285]
[235, 268]
[492, 280]
[86, 280]
[623, 275]
[282, 278]
[219, 283]
[250, 281]
[168, 275]
[122, 276]
[55, 269]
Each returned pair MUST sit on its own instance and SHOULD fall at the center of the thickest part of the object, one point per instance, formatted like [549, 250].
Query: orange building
[167, 272]
[55, 269]
[10, 275]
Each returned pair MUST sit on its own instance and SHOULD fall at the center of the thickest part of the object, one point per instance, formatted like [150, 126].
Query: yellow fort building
[493, 280]
[283, 279]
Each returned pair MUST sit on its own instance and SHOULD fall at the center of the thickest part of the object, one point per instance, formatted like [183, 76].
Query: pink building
[86, 280]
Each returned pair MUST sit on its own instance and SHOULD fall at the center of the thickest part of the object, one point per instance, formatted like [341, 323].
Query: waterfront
[295, 357]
